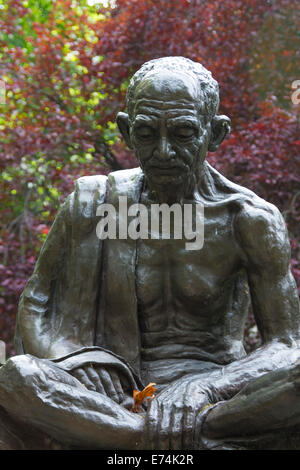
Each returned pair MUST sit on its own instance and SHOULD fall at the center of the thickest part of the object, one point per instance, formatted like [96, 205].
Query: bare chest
[192, 302]
[165, 269]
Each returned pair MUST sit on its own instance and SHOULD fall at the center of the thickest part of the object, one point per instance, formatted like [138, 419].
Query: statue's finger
[82, 376]
[117, 384]
[176, 420]
[127, 402]
[164, 423]
[192, 406]
[126, 384]
[152, 424]
[188, 427]
[94, 377]
[108, 384]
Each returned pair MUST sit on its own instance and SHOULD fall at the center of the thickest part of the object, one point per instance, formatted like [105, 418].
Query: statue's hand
[105, 380]
[171, 418]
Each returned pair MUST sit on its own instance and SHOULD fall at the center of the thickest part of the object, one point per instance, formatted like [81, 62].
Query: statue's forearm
[268, 403]
[233, 377]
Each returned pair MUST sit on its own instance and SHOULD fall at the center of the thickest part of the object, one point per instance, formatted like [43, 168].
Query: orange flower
[139, 397]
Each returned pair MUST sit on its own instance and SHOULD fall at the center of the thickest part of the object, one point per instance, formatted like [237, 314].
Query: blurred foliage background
[66, 65]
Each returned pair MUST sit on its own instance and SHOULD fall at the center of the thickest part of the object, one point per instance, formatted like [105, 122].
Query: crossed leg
[265, 412]
[37, 391]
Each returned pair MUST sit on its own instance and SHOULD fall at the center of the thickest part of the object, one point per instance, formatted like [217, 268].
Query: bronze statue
[102, 317]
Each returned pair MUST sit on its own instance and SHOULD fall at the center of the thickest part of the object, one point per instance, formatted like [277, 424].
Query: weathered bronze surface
[98, 319]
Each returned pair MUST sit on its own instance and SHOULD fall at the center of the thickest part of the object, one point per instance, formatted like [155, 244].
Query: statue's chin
[170, 187]
[161, 180]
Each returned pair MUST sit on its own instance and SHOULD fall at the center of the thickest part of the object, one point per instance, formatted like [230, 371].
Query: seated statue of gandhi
[101, 317]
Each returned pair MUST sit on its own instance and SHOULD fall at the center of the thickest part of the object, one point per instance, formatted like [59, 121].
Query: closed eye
[184, 132]
[144, 132]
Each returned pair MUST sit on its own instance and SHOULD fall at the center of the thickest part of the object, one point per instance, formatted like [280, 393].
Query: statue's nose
[165, 151]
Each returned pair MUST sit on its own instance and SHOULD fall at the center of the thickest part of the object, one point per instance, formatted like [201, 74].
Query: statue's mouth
[166, 169]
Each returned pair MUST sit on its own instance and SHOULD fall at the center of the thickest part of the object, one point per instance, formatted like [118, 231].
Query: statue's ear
[220, 126]
[123, 125]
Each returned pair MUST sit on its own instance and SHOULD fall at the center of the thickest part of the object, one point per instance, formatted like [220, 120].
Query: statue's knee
[18, 362]
[18, 370]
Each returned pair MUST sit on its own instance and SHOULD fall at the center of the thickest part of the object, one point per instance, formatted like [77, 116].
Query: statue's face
[168, 131]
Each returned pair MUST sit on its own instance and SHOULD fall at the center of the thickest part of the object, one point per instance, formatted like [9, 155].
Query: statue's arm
[264, 241]
[32, 335]
[262, 235]
[58, 307]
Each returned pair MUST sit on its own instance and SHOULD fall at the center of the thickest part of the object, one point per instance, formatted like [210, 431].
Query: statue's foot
[46, 398]
[16, 435]
[202, 442]
[263, 415]
[9, 439]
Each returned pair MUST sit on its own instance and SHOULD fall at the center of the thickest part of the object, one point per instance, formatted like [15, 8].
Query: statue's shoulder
[88, 193]
[256, 212]
[91, 191]
[86, 186]
[256, 217]
[131, 174]
[261, 232]
[125, 183]
[250, 208]
[125, 180]
[258, 224]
